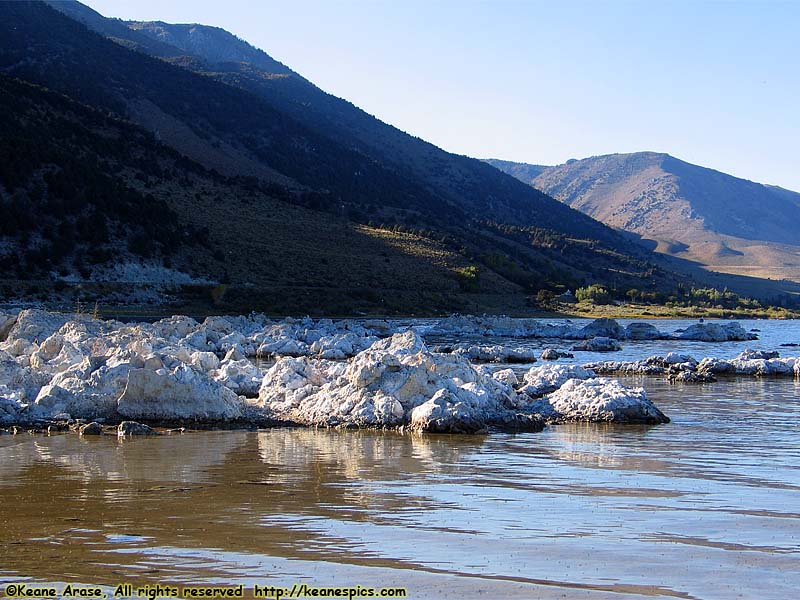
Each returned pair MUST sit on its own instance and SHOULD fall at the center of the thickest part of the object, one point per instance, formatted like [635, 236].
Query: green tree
[595, 293]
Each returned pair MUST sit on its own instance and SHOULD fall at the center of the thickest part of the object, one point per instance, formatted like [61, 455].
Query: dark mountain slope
[726, 223]
[522, 171]
[63, 204]
[431, 209]
[86, 197]
[116, 30]
[213, 44]
[42, 46]
[477, 191]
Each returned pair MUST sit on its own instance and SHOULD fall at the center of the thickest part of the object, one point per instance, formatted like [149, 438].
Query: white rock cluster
[598, 344]
[396, 382]
[55, 366]
[598, 400]
[548, 378]
[495, 354]
[60, 366]
[599, 328]
[553, 354]
[717, 332]
[685, 368]
[399, 383]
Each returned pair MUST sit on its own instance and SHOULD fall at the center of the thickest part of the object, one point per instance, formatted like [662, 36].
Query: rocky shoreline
[65, 372]
[682, 367]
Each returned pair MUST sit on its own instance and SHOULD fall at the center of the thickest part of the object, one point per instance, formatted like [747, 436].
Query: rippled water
[707, 506]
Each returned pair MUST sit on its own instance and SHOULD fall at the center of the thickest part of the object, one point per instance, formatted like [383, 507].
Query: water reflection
[703, 507]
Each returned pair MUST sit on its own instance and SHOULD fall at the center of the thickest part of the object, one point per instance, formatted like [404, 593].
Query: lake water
[707, 506]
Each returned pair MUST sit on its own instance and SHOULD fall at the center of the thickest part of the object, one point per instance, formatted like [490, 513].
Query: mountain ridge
[726, 223]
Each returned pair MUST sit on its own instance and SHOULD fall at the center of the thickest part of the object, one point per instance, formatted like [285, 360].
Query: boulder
[643, 331]
[691, 377]
[468, 412]
[25, 381]
[654, 365]
[235, 354]
[340, 345]
[35, 325]
[283, 347]
[129, 428]
[598, 344]
[675, 358]
[749, 354]
[717, 332]
[761, 367]
[553, 354]
[204, 361]
[603, 328]
[506, 376]
[448, 412]
[715, 366]
[174, 328]
[18, 347]
[7, 321]
[84, 392]
[241, 376]
[599, 400]
[93, 428]
[496, 354]
[10, 406]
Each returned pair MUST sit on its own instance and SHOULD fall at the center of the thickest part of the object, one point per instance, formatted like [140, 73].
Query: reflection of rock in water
[17, 453]
[364, 454]
[168, 458]
[342, 474]
[600, 445]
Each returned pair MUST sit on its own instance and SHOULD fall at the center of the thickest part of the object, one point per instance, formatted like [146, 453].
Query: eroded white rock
[717, 332]
[548, 378]
[181, 394]
[395, 382]
[496, 354]
[599, 400]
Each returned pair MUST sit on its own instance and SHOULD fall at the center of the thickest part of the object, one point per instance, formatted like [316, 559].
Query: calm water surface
[707, 506]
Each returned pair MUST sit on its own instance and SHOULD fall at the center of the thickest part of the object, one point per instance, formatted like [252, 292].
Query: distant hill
[728, 224]
[522, 171]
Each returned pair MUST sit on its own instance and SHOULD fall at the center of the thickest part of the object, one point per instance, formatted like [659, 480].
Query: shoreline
[581, 310]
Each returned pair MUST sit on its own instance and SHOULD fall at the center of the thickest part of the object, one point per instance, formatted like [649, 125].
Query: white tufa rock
[553, 354]
[181, 394]
[598, 400]
[548, 378]
[496, 354]
[384, 385]
[717, 332]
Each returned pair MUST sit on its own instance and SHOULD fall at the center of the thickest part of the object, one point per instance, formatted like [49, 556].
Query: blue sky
[713, 83]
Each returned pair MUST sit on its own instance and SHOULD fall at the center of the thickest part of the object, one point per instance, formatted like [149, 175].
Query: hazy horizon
[710, 83]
